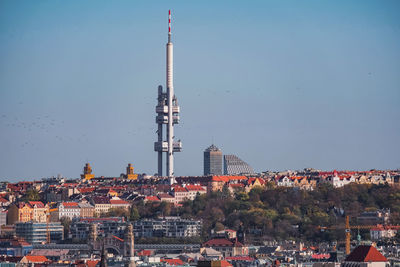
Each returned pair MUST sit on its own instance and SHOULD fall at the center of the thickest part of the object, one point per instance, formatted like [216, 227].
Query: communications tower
[167, 110]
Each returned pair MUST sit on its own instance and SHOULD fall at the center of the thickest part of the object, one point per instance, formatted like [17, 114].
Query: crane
[347, 228]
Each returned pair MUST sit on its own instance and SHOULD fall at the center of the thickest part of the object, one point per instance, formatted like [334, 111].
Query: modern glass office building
[36, 233]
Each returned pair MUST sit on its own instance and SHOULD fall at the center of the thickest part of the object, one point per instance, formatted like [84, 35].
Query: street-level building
[36, 233]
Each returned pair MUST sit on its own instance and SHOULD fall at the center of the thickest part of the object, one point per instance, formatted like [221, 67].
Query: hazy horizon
[282, 85]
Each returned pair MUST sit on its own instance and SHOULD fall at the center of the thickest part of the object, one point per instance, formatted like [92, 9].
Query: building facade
[36, 233]
[212, 161]
[167, 227]
[234, 165]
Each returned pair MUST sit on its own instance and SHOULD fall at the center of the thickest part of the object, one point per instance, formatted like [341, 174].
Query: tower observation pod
[167, 110]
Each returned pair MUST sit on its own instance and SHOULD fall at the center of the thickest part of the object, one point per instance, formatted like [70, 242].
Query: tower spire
[169, 26]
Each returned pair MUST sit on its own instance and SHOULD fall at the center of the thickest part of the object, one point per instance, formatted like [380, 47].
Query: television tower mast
[167, 111]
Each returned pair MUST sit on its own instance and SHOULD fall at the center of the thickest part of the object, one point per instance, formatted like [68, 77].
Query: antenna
[169, 26]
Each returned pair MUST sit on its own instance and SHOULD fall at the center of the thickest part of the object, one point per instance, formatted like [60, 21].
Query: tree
[66, 223]
[32, 195]
[134, 214]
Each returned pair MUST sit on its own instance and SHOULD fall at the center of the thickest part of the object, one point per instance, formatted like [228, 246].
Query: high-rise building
[212, 161]
[234, 165]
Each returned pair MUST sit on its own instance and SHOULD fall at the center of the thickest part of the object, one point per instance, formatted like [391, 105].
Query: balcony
[161, 146]
[162, 109]
[177, 146]
[162, 119]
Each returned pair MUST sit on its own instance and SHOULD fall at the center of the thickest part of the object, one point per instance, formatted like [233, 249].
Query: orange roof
[118, 201]
[180, 189]
[86, 189]
[195, 188]
[70, 204]
[38, 259]
[144, 253]
[39, 204]
[90, 263]
[173, 261]
[224, 263]
[227, 178]
[236, 185]
[152, 198]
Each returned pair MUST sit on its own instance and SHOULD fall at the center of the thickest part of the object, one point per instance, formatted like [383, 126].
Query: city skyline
[283, 85]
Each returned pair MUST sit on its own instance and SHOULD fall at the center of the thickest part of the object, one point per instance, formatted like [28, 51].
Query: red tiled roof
[152, 198]
[70, 184]
[227, 178]
[91, 263]
[366, 254]
[84, 190]
[236, 185]
[118, 202]
[38, 259]
[39, 204]
[3, 200]
[180, 189]
[240, 258]
[165, 195]
[385, 227]
[144, 253]
[320, 256]
[224, 263]
[173, 261]
[195, 188]
[70, 204]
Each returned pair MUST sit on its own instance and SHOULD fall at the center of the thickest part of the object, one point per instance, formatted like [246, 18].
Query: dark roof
[366, 254]
[266, 250]
[222, 242]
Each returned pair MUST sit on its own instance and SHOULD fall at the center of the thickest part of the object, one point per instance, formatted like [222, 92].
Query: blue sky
[281, 84]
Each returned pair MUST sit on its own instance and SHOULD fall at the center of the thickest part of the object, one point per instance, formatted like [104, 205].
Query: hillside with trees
[279, 213]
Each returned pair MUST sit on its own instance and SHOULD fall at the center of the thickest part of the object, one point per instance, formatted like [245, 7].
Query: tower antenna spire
[169, 26]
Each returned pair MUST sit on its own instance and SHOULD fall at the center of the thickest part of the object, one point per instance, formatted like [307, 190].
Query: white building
[69, 210]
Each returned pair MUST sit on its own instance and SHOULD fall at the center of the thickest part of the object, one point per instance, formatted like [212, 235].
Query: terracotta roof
[144, 253]
[224, 263]
[70, 204]
[165, 195]
[240, 258]
[173, 261]
[227, 178]
[86, 189]
[38, 259]
[195, 188]
[3, 200]
[236, 185]
[152, 198]
[91, 263]
[39, 204]
[366, 254]
[180, 189]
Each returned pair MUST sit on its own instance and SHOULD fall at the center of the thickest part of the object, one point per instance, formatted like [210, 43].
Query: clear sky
[281, 84]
